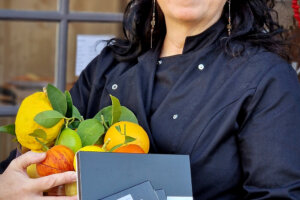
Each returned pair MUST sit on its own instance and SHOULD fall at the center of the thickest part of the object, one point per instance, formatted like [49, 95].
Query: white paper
[88, 47]
[127, 197]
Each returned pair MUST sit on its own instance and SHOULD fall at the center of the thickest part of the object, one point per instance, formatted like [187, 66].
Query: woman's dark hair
[253, 21]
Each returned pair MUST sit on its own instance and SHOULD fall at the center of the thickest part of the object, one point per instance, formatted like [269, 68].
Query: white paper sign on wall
[88, 47]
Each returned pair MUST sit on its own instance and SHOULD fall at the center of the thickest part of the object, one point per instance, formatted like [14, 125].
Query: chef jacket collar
[192, 43]
[206, 38]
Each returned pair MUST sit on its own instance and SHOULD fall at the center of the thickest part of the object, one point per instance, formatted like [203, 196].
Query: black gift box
[103, 174]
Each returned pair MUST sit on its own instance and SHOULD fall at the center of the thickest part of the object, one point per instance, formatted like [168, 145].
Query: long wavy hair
[253, 21]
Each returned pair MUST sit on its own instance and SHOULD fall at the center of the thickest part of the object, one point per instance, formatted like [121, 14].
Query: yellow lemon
[31, 171]
[71, 189]
[88, 148]
[132, 130]
[25, 124]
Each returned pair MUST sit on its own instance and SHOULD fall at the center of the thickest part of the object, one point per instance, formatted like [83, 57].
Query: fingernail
[42, 154]
[73, 176]
[38, 154]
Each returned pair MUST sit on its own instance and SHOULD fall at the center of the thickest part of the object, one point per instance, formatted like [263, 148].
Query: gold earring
[229, 26]
[152, 23]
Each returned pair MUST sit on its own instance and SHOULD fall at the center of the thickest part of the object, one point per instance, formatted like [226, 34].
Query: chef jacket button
[160, 62]
[201, 67]
[175, 116]
[114, 86]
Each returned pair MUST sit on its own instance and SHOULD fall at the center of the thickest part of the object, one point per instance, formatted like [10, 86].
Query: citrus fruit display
[70, 138]
[25, 124]
[130, 148]
[48, 121]
[58, 159]
[92, 148]
[118, 131]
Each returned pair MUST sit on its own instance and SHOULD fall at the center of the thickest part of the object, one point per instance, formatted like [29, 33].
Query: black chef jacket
[237, 117]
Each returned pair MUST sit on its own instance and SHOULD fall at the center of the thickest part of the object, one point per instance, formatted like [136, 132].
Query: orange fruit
[130, 148]
[132, 130]
[59, 159]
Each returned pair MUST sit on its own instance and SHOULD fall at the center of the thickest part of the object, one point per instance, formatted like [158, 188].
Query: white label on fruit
[127, 197]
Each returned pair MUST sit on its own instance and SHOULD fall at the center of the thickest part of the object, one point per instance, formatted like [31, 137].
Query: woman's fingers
[47, 182]
[23, 161]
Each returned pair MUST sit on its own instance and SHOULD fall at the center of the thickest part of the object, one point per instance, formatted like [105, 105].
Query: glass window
[27, 59]
[28, 4]
[97, 6]
[76, 29]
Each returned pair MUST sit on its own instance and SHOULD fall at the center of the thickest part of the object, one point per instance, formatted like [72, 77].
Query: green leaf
[100, 141]
[48, 118]
[10, 129]
[39, 133]
[129, 139]
[77, 114]
[106, 112]
[74, 125]
[57, 99]
[115, 147]
[118, 129]
[126, 115]
[90, 131]
[116, 109]
[69, 112]
[45, 147]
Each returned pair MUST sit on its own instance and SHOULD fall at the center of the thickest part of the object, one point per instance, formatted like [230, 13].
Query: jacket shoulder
[258, 64]
[101, 62]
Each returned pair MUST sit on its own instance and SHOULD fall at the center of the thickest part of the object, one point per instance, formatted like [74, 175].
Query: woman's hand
[15, 183]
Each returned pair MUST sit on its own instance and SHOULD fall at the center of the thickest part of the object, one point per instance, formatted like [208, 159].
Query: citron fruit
[25, 124]
[132, 130]
[71, 139]
[32, 172]
[130, 148]
[71, 189]
[93, 148]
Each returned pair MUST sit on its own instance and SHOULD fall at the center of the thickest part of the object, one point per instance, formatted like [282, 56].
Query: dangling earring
[229, 26]
[152, 23]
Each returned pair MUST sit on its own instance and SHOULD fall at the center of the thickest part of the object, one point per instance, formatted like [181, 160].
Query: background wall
[285, 14]
[27, 49]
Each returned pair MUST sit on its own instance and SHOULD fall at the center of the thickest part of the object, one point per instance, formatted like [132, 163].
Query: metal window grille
[63, 16]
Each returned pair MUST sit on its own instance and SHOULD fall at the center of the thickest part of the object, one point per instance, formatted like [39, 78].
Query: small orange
[130, 148]
[132, 130]
[59, 159]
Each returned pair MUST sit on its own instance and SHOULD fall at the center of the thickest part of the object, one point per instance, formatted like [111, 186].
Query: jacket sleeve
[4, 164]
[269, 141]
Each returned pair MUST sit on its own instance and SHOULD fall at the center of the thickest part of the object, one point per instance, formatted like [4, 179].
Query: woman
[205, 78]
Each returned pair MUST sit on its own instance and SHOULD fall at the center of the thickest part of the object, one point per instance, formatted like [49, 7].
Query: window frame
[63, 16]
